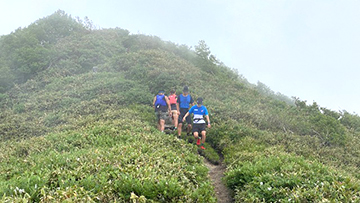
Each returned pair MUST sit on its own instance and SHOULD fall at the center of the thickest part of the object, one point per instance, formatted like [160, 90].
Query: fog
[308, 49]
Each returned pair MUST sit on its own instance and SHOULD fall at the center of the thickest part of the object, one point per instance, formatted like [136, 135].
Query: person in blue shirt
[199, 125]
[184, 102]
[161, 106]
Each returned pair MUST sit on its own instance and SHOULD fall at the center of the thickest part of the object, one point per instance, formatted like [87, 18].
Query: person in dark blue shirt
[161, 106]
[184, 102]
[199, 126]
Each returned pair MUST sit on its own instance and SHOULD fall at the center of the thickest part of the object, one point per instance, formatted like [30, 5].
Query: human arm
[154, 102]
[178, 105]
[186, 115]
[168, 103]
[207, 117]
[208, 121]
[178, 108]
[191, 101]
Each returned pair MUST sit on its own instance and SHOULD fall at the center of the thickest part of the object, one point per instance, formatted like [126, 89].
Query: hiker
[184, 102]
[199, 125]
[174, 112]
[161, 105]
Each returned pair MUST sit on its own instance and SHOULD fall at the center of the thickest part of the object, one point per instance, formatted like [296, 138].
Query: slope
[105, 79]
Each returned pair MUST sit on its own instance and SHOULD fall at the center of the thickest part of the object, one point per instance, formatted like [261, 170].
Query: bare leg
[162, 125]
[203, 136]
[175, 120]
[179, 129]
[196, 135]
[188, 129]
[172, 118]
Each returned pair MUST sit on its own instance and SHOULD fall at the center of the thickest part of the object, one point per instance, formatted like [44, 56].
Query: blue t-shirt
[185, 101]
[199, 113]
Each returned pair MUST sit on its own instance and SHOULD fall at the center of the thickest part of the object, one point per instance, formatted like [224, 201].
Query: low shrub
[258, 174]
[104, 162]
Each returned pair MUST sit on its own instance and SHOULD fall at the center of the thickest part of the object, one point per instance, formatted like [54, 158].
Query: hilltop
[76, 124]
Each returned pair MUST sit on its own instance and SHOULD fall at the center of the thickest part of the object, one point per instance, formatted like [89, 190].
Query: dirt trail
[216, 172]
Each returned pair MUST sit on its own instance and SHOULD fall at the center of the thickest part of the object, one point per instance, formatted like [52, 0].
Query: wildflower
[269, 188]
[261, 183]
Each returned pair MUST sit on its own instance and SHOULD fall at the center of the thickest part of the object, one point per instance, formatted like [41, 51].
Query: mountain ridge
[60, 97]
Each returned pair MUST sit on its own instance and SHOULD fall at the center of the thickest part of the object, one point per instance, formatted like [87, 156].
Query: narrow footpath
[216, 172]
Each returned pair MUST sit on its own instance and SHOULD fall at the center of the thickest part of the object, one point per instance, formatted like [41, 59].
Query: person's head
[161, 92]
[172, 92]
[199, 101]
[186, 90]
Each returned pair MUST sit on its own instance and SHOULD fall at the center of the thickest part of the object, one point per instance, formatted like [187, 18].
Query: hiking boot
[198, 142]
[202, 146]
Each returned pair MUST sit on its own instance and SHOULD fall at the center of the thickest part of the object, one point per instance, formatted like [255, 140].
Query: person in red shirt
[174, 112]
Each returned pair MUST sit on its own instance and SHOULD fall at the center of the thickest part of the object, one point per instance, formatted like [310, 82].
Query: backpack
[173, 99]
[160, 101]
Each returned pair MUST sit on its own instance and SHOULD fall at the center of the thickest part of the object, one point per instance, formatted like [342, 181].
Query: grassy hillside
[106, 162]
[77, 124]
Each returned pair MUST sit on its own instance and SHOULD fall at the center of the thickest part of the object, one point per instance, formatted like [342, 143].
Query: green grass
[104, 162]
[268, 174]
[209, 153]
[68, 134]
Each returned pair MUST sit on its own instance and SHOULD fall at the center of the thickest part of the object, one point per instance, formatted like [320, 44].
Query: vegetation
[76, 124]
[105, 161]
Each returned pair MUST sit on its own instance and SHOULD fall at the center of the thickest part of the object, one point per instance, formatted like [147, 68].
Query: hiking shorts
[182, 114]
[160, 115]
[199, 127]
[173, 107]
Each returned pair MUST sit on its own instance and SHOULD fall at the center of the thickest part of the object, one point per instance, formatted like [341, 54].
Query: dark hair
[199, 100]
[172, 91]
[186, 89]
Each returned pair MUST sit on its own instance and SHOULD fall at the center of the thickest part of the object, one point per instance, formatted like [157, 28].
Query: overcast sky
[304, 48]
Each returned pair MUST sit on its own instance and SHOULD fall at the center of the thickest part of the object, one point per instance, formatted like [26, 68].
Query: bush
[19, 108]
[329, 130]
[105, 162]
[268, 174]
[92, 90]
